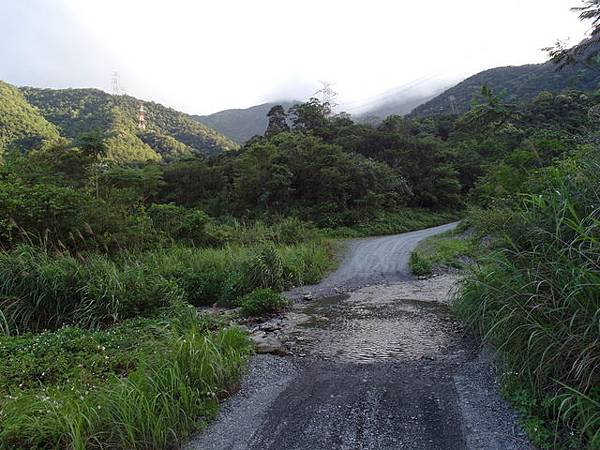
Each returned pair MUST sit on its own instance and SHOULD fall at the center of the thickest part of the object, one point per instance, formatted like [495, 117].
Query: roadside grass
[448, 249]
[208, 276]
[104, 352]
[142, 384]
[400, 221]
[536, 298]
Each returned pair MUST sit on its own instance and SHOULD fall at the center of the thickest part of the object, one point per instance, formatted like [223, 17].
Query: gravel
[342, 388]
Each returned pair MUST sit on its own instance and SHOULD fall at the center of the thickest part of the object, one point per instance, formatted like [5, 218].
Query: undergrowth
[139, 385]
[537, 299]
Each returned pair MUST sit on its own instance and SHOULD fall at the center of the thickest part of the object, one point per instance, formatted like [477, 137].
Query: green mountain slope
[520, 84]
[169, 134]
[21, 125]
[240, 125]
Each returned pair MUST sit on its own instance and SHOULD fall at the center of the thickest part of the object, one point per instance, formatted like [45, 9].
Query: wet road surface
[384, 367]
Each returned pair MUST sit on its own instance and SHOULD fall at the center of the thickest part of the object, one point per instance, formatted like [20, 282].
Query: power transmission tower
[116, 83]
[453, 104]
[327, 95]
[141, 117]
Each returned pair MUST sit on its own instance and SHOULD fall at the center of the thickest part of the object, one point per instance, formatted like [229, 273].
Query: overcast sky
[203, 56]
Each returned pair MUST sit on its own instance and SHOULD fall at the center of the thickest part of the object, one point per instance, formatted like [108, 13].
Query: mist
[208, 56]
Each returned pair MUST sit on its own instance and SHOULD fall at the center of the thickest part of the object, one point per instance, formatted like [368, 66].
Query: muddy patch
[365, 328]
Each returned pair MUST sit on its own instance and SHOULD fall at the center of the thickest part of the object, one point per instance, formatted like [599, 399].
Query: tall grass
[154, 407]
[209, 276]
[537, 299]
[40, 290]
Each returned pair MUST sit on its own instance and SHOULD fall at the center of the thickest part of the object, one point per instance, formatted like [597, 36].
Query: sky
[204, 56]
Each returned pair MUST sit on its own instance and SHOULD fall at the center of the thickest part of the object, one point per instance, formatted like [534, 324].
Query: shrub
[260, 302]
[419, 264]
[180, 223]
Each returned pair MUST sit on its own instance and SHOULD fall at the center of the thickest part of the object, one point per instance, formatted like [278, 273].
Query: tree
[277, 121]
[586, 50]
[310, 116]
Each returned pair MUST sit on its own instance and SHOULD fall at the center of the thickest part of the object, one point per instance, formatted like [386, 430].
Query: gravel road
[371, 261]
[384, 366]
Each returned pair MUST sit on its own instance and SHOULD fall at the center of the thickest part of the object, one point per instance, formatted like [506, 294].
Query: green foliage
[420, 265]
[208, 276]
[169, 134]
[39, 290]
[521, 84]
[448, 249]
[21, 125]
[261, 302]
[401, 220]
[536, 297]
[174, 378]
[179, 223]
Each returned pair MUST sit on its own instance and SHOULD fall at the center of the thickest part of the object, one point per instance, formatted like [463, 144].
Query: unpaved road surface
[385, 366]
[371, 261]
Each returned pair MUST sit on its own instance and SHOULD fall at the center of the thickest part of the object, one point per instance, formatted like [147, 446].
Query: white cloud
[202, 56]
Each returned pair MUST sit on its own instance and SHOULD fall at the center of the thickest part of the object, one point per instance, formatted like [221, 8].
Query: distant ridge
[239, 125]
[519, 83]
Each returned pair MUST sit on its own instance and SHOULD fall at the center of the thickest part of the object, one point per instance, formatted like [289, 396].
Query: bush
[419, 264]
[260, 302]
[179, 223]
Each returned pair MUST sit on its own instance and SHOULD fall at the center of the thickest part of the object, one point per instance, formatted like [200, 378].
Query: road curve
[369, 261]
[381, 258]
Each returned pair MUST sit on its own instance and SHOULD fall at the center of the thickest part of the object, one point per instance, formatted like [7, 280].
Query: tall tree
[277, 121]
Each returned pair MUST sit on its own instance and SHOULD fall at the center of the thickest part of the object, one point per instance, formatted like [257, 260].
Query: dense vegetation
[45, 113]
[533, 228]
[100, 253]
[21, 125]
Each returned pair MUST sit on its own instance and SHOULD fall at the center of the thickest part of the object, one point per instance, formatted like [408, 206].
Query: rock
[268, 344]
[270, 327]
[307, 296]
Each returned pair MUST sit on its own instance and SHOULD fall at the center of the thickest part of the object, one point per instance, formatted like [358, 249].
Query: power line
[327, 95]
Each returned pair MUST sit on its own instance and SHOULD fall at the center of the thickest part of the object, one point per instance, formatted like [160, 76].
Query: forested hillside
[21, 125]
[518, 83]
[169, 134]
[239, 125]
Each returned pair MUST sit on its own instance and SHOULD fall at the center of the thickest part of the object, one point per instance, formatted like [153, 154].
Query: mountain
[519, 84]
[169, 134]
[239, 125]
[21, 125]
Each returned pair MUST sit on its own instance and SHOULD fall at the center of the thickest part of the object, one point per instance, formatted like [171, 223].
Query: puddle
[365, 330]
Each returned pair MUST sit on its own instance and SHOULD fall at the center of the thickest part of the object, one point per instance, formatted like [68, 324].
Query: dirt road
[386, 366]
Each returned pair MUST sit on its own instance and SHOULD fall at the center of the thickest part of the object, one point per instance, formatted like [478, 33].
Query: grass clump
[448, 249]
[420, 265]
[261, 302]
[178, 370]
